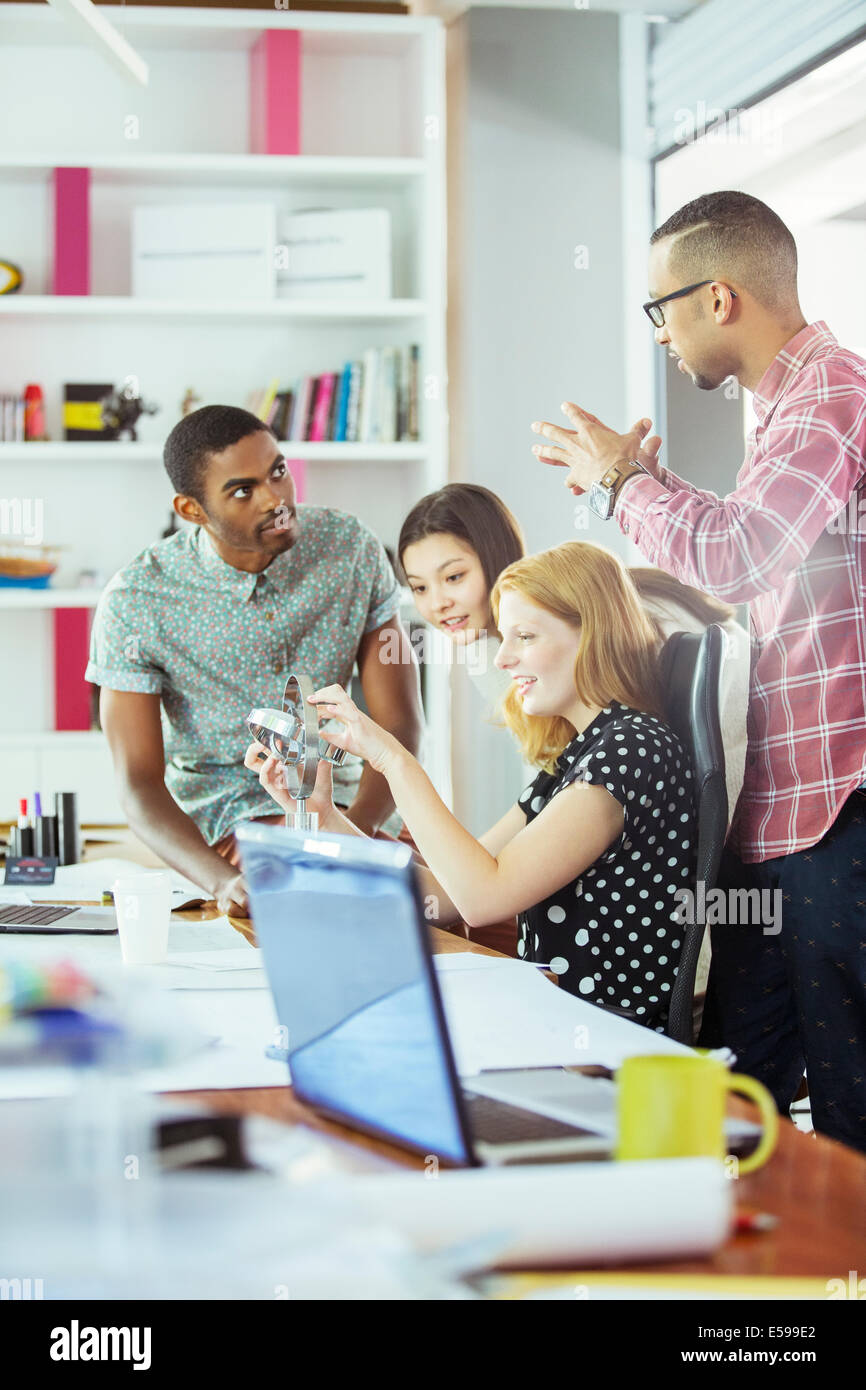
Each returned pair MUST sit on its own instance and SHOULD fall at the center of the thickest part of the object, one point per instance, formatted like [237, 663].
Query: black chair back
[691, 674]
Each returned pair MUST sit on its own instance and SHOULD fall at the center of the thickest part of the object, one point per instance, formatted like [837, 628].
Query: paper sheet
[470, 960]
[517, 1018]
[241, 958]
[215, 939]
[11, 896]
[604, 1212]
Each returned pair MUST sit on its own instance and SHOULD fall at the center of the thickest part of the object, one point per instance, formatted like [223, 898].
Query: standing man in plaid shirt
[791, 541]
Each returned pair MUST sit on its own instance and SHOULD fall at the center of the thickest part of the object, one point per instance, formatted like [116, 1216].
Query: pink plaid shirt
[791, 541]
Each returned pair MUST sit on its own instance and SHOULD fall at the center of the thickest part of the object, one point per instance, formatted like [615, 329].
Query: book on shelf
[322, 409]
[343, 403]
[371, 400]
[412, 393]
[354, 401]
[371, 370]
[12, 420]
[282, 414]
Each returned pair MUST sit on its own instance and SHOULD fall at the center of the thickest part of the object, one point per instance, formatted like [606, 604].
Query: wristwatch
[603, 494]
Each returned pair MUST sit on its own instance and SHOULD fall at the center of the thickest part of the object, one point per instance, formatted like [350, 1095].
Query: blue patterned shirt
[215, 642]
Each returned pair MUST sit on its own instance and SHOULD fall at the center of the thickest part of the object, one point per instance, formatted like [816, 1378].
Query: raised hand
[272, 776]
[591, 448]
[355, 731]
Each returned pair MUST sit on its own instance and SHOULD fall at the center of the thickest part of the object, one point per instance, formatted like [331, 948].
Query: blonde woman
[591, 855]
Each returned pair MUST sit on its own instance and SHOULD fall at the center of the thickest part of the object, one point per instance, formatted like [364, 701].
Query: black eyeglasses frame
[655, 304]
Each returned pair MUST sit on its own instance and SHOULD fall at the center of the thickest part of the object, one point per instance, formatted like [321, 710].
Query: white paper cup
[142, 903]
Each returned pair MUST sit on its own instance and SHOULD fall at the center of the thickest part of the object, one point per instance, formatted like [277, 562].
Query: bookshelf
[113, 452]
[128, 309]
[369, 114]
[216, 170]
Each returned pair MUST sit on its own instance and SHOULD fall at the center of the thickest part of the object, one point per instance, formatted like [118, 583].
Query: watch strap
[618, 474]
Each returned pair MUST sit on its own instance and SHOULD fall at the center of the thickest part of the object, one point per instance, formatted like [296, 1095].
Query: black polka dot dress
[612, 936]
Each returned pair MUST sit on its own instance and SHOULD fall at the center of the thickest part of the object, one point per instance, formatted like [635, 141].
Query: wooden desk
[817, 1188]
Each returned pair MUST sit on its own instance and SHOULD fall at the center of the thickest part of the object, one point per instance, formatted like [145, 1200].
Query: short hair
[476, 516]
[734, 235]
[618, 656]
[207, 431]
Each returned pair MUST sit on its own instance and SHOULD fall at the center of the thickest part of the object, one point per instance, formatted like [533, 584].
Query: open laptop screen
[339, 924]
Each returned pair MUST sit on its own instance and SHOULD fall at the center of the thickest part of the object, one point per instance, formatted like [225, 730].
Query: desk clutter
[99, 1045]
[54, 836]
[79, 1038]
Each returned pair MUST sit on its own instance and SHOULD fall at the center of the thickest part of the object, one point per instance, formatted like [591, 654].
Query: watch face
[601, 500]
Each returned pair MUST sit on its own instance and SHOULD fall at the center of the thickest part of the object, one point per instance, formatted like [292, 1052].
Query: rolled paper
[604, 1213]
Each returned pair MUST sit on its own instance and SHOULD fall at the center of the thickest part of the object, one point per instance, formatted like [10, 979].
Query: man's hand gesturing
[591, 448]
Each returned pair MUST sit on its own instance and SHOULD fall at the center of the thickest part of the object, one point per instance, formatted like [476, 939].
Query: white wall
[536, 96]
[832, 285]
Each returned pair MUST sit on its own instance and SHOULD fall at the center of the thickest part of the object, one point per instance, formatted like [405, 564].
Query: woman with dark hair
[453, 546]
[475, 516]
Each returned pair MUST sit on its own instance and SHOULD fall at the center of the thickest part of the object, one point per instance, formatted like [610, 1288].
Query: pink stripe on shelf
[275, 93]
[298, 470]
[72, 231]
[71, 691]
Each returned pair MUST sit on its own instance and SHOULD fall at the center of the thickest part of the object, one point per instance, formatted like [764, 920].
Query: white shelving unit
[111, 451]
[373, 134]
[48, 598]
[215, 170]
[127, 308]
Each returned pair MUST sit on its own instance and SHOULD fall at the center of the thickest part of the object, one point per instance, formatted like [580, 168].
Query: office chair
[691, 665]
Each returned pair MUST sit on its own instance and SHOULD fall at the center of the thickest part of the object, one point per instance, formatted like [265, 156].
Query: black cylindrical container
[45, 837]
[68, 835]
[23, 842]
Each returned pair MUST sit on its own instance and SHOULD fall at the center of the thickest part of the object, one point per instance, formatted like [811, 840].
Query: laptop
[341, 927]
[57, 918]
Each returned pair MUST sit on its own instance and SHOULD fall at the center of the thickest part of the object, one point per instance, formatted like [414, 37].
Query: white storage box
[204, 251]
[340, 254]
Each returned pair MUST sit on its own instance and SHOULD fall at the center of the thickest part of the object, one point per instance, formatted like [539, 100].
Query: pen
[747, 1219]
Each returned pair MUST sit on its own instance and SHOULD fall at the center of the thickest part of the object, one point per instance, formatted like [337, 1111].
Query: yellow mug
[674, 1107]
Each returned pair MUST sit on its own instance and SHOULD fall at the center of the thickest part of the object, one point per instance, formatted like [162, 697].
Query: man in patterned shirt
[791, 541]
[205, 625]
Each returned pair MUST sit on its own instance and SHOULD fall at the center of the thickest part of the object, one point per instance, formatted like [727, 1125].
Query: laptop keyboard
[34, 916]
[494, 1122]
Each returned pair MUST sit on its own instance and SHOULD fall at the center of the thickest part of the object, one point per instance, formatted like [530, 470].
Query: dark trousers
[797, 1000]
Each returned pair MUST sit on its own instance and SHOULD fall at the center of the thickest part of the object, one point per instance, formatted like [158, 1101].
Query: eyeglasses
[653, 307]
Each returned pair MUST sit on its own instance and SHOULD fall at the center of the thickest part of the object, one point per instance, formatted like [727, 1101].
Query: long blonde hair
[617, 659]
